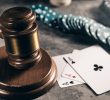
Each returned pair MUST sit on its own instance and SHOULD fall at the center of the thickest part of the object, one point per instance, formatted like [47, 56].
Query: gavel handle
[1, 36]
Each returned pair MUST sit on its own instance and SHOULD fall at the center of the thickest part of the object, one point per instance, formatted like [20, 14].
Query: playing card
[69, 73]
[60, 63]
[93, 65]
[64, 82]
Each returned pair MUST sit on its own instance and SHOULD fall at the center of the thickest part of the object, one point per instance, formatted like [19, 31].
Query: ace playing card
[93, 65]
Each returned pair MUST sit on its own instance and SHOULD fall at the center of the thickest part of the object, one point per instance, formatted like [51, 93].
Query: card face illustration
[97, 67]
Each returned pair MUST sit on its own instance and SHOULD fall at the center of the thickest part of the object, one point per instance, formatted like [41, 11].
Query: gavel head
[20, 33]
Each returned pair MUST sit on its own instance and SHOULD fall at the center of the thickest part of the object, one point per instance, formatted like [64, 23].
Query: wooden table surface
[59, 43]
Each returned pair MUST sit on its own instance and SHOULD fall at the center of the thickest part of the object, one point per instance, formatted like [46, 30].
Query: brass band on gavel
[20, 33]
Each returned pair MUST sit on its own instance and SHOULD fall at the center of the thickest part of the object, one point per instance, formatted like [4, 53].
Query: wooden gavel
[20, 33]
[27, 70]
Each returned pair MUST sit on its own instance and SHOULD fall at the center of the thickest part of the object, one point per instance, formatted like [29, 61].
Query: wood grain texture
[28, 83]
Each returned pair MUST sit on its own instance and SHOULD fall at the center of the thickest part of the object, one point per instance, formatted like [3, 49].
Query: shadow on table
[78, 38]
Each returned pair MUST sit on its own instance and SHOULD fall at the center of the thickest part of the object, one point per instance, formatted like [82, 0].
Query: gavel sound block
[26, 70]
